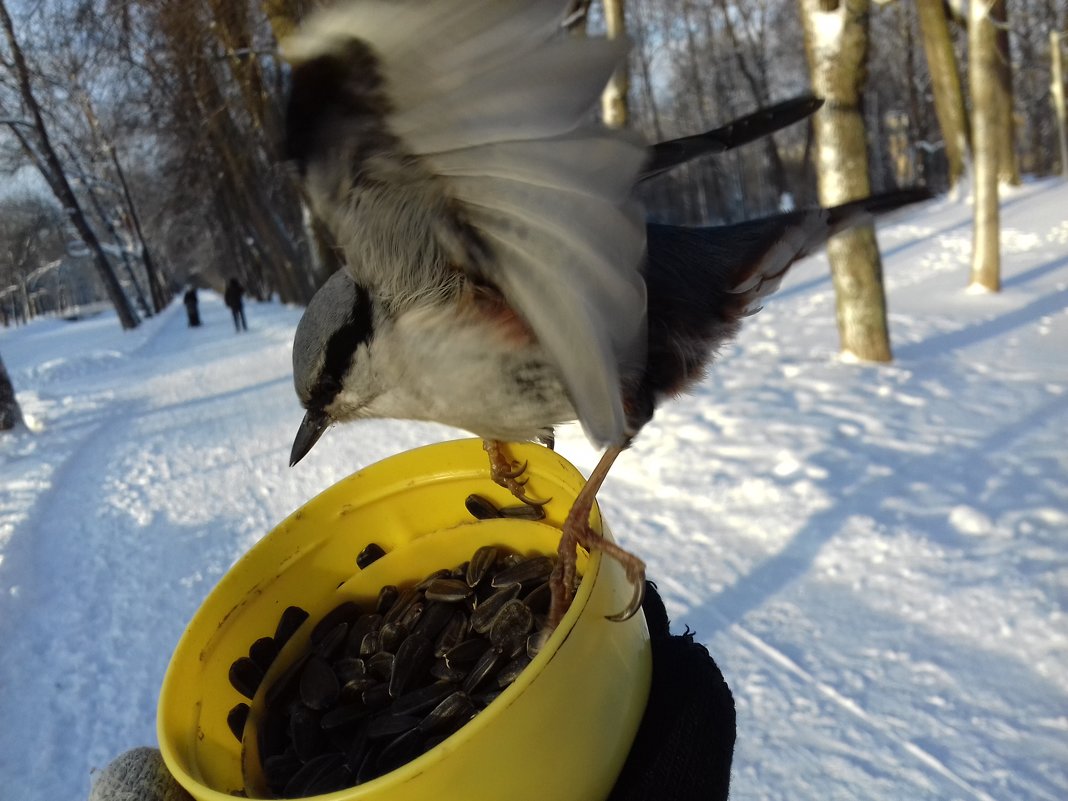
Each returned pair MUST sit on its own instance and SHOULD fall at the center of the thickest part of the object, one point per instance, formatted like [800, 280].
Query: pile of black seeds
[380, 686]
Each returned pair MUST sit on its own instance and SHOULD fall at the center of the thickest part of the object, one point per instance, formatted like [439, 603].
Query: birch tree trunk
[836, 42]
[10, 413]
[945, 85]
[986, 118]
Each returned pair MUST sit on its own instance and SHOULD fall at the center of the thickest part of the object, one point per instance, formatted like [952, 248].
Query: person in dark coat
[233, 297]
[191, 309]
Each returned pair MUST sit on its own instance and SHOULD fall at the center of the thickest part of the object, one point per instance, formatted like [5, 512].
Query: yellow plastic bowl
[561, 731]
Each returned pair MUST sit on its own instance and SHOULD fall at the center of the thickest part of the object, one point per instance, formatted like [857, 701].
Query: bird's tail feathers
[702, 282]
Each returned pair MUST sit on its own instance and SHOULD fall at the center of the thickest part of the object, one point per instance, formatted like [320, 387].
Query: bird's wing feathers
[763, 122]
[497, 102]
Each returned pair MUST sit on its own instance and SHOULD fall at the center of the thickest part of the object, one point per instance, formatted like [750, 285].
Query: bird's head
[331, 351]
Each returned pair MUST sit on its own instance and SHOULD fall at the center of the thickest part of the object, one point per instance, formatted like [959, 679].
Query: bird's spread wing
[497, 103]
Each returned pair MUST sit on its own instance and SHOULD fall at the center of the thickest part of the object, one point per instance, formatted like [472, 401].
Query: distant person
[233, 297]
[191, 308]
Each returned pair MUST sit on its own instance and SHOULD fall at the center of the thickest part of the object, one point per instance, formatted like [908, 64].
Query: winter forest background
[156, 123]
[861, 511]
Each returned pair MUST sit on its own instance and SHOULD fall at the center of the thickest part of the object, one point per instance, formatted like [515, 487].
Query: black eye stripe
[356, 331]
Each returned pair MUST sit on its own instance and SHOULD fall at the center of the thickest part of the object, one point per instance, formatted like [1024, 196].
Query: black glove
[685, 743]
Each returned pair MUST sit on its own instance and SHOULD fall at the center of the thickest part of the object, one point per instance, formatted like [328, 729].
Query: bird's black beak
[311, 428]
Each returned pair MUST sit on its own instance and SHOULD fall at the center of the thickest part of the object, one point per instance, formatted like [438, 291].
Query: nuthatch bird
[499, 274]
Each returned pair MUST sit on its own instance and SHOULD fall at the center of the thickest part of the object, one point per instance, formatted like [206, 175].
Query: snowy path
[874, 555]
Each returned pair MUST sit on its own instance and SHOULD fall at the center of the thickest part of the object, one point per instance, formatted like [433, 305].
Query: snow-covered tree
[836, 41]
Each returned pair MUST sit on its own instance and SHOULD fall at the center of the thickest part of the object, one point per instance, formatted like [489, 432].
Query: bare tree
[1008, 164]
[987, 116]
[30, 239]
[1057, 96]
[836, 41]
[945, 84]
[10, 413]
[43, 155]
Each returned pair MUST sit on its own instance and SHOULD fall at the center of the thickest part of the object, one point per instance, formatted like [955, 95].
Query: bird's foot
[507, 473]
[564, 578]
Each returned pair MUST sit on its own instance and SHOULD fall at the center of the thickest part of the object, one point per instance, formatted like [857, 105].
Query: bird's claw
[516, 471]
[632, 608]
[506, 473]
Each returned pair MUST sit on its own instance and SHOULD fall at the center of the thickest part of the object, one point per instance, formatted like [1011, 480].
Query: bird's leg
[577, 531]
[506, 472]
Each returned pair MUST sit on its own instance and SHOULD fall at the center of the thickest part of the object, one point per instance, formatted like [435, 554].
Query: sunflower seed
[436, 615]
[279, 769]
[236, 720]
[537, 640]
[369, 555]
[369, 766]
[522, 512]
[510, 672]
[334, 776]
[447, 589]
[452, 710]
[466, 653]
[485, 612]
[538, 598]
[419, 701]
[380, 666]
[404, 602]
[536, 569]
[343, 716]
[245, 676]
[411, 617]
[347, 669]
[353, 690]
[319, 686]
[377, 696]
[412, 658]
[263, 652]
[331, 642]
[437, 574]
[486, 666]
[360, 629]
[453, 633]
[481, 508]
[391, 635]
[480, 564]
[304, 779]
[387, 596]
[442, 670]
[401, 750]
[306, 734]
[371, 644]
[346, 612]
[510, 626]
[391, 725]
[292, 618]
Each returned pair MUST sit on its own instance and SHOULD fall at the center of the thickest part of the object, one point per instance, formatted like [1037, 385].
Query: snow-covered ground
[877, 556]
